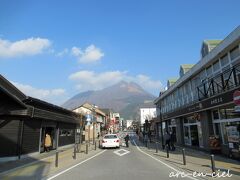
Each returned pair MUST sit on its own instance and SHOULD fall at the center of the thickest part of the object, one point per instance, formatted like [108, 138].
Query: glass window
[65, 132]
[234, 53]
[216, 66]
[110, 137]
[209, 71]
[202, 75]
[217, 129]
[223, 114]
[215, 114]
[186, 132]
[224, 135]
[231, 114]
[224, 60]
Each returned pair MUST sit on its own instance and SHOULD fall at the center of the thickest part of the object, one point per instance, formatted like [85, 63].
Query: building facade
[25, 121]
[202, 107]
[95, 118]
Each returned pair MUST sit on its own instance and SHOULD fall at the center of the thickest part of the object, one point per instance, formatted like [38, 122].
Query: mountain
[123, 97]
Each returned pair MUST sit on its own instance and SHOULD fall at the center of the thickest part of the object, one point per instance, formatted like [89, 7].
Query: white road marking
[161, 161]
[117, 152]
[76, 165]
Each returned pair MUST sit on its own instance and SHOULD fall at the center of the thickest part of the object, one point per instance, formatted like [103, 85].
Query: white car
[110, 140]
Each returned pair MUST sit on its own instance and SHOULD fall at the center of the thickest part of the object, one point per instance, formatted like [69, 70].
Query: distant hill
[123, 97]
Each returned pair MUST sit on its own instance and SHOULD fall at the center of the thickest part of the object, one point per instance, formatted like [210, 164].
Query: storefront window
[192, 121]
[186, 135]
[65, 132]
[215, 114]
[227, 126]
[231, 114]
[223, 114]
[217, 129]
[224, 135]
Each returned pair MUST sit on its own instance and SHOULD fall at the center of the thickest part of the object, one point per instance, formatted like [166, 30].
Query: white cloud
[90, 80]
[89, 55]
[55, 96]
[63, 52]
[26, 47]
[147, 83]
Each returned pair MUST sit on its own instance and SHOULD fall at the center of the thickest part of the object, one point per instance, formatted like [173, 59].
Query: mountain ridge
[123, 97]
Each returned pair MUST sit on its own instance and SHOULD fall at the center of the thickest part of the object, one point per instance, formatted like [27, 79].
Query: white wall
[147, 113]
[129, 123]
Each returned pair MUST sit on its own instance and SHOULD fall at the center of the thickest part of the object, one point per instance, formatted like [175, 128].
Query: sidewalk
[43, 166]
[196, 161]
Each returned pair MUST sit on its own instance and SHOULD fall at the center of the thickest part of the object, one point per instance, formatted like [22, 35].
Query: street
[107, 165]
[136, 162]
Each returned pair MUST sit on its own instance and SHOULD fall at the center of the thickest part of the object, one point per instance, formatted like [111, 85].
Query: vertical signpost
[88, 126]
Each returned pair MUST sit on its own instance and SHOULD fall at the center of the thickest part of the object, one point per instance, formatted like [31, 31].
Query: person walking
[126, 138]
[48, 142]
[167, 139]
[172, 140]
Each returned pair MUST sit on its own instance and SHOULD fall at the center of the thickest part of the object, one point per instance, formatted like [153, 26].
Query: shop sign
[232, 133]
[196, 116]
[237, 108]
[236, 97]
[216, 100]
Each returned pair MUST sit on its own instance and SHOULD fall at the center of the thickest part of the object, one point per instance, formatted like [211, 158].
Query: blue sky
[53, 50]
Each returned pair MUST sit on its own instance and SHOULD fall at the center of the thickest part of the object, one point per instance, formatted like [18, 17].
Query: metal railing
[222, 82]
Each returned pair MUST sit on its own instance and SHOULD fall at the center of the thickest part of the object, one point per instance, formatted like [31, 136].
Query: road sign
[236, 97]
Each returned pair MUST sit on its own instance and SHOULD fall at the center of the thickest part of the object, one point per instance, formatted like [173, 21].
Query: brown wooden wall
[31, 135]
[9, 137]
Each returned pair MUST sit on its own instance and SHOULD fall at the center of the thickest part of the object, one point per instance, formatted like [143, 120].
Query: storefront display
[192, 131]
[226, 125]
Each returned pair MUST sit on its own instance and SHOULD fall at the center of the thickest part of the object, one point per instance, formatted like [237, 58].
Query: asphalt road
[107, 165]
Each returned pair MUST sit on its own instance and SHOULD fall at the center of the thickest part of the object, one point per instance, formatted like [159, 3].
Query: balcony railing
[225, 81]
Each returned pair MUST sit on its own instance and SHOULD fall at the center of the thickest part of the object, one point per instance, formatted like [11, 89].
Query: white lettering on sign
[216, 100]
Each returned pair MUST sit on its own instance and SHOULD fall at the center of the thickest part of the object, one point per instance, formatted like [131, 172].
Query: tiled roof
[172, 80]
[187, 66]
[213, 42]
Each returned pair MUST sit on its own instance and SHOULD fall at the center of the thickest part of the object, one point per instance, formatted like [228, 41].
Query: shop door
[194, 135]
[173, 132]
[52, 132]
[187, 137]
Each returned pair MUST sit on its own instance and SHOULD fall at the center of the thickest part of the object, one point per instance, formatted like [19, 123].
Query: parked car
[110, 140]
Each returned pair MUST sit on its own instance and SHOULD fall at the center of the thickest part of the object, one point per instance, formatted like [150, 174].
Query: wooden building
[24, 122]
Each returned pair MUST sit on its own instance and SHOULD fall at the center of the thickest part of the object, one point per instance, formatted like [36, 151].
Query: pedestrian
[172, 140]
[98, 135]
[167, 139]
[47, 142]
[126, 138]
